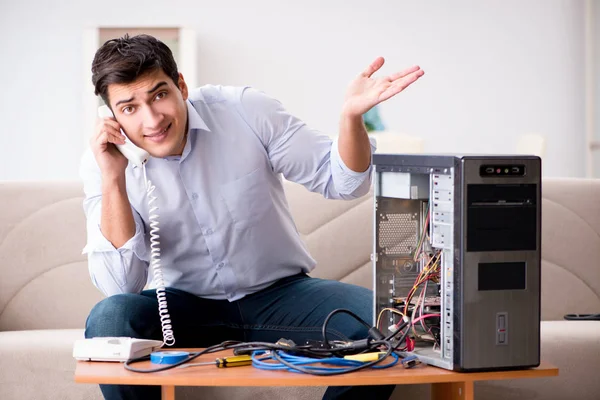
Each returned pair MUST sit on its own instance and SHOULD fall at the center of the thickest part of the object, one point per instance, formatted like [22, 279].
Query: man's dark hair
[125, 59]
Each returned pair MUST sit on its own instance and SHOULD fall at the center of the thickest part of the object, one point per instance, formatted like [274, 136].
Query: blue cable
[259, 361]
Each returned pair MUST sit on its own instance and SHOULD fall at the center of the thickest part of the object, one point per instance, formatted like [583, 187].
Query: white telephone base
[118, 349]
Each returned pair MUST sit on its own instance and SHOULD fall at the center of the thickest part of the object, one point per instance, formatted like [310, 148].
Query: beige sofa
[46, 293]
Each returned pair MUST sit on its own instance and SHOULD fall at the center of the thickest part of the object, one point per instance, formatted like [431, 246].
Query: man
[231, 258]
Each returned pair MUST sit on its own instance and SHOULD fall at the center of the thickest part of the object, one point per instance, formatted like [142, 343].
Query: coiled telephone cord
[158, 279]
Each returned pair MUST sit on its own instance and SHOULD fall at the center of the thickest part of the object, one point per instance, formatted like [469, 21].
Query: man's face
[152, 112]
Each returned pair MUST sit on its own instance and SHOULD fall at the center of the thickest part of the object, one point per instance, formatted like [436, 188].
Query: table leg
[452, 391]
[167, 392]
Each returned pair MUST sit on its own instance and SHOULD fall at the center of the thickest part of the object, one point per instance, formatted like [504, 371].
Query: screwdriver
[224, 362]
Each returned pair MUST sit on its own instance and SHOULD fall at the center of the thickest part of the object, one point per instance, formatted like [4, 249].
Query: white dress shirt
[225, 227]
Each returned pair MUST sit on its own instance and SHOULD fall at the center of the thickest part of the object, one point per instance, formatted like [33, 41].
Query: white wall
[494, 69]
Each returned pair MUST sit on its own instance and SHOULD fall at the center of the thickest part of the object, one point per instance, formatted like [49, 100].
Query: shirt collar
[195, 122]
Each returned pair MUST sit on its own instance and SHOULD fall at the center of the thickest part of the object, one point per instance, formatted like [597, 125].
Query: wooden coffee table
[445, 384]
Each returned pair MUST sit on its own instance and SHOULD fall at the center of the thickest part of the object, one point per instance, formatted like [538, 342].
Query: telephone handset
[139, 157]
[133, 153]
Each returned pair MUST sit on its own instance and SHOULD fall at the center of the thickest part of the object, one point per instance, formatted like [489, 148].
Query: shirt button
[194, 196]
[208, 232]
[220, 265]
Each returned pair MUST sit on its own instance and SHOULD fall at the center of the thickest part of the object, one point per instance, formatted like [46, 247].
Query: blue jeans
[293, 308]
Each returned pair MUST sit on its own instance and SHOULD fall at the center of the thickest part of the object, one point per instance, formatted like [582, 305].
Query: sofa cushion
[39, 364]
[572, 346]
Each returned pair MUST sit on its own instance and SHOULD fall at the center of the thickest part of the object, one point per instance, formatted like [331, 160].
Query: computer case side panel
[458, 261]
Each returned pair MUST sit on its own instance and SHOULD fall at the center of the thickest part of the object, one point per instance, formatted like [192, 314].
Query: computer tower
[457, 254]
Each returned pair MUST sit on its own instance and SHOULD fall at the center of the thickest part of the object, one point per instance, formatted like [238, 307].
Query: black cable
[375, 340]
[337, 311]
[363, 366]
[254, 346]
[211, 349]
[402, 338]
[393, 334]
[582, 317]
[306, 350]
[274, 348]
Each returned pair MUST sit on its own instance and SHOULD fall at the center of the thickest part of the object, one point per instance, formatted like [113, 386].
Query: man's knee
[116, 316]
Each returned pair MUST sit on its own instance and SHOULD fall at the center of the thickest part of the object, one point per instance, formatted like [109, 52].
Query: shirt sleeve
[113, 271]
[301, 154]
